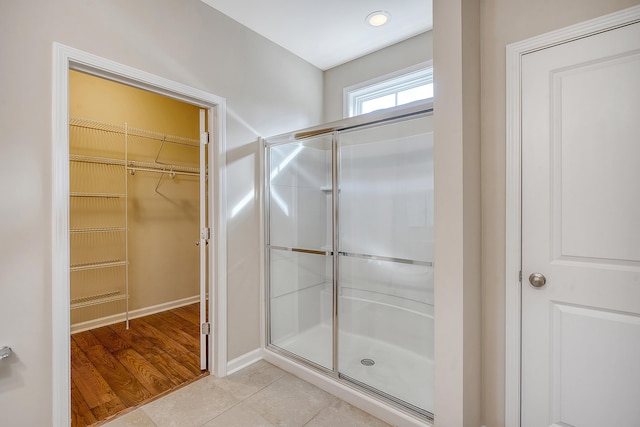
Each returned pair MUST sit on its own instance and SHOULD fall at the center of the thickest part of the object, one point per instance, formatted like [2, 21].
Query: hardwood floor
[113, 369]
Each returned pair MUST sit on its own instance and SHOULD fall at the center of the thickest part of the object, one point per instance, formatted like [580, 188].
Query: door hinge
[520, 276]
[205, 329]
[205, 233]
[204, 138]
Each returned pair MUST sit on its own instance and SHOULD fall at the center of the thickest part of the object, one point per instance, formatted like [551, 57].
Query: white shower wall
[386, 200]
[385, 283]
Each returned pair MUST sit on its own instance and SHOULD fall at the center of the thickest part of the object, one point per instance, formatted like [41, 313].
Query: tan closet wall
[164, 224]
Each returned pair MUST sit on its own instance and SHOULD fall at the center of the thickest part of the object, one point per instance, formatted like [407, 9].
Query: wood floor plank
[176, 372]
[190, 342]
[169, 345]
[136, 339]
[170, 367]
[110, 339]
[193, 308]
[191, 328]
[188, 315]
[92, 386]
[108, 409]
[130, 391]
[114, 369]
[81, 414]
[86, 340]
[140, 368]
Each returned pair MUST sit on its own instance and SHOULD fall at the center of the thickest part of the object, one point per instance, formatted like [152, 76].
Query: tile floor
[256, 396]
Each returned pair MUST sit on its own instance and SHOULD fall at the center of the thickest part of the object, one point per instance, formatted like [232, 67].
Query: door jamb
[64, 59]
[513, 258]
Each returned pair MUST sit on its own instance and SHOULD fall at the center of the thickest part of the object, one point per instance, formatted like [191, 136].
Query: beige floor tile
[239, 416]
[136, 418]
[341, 414]
[289, 401]
[260, 395]
[191, 406]
[251, 379]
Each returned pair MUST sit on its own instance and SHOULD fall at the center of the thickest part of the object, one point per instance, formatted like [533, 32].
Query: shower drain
[368, 362]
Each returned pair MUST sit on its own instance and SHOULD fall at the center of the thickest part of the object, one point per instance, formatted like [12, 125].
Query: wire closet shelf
[133, 166]
[112, 136]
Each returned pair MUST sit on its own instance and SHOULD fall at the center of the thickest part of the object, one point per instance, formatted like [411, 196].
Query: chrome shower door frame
[334, 128]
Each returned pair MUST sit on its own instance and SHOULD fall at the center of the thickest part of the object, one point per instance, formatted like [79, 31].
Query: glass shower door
[385, 260]
[300, 266]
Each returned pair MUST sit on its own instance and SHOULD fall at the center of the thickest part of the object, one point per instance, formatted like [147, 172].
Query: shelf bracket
[164, 138]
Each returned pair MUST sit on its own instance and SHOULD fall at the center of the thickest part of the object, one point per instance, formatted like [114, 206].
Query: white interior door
[204, 238]
[581, 231]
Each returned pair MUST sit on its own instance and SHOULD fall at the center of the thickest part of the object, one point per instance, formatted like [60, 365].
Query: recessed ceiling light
[378, 18]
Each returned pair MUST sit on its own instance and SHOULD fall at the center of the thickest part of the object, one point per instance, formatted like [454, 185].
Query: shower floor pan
[403, 374]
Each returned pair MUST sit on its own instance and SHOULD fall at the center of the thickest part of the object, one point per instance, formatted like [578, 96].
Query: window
[409, 85]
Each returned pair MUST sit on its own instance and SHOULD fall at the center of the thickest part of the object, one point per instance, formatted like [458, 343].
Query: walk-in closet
[137, 196]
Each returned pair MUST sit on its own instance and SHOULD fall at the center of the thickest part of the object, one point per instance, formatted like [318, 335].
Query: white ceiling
[328, 33]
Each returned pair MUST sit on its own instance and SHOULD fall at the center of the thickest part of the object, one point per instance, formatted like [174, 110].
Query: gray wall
[393, 58]
[182, 40]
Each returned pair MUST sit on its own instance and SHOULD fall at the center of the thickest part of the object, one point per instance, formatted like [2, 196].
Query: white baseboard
[244, 361]
[375, 407]
[141, 312]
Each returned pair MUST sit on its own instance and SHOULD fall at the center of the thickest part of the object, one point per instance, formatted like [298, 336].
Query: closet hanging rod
[163, 171]
[161, 167]
[99, 195]
[135, 132]
[132, 165]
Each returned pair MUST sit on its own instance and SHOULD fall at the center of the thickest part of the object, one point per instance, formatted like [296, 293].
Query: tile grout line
[240, 400]
[315, 416]
[221, 413]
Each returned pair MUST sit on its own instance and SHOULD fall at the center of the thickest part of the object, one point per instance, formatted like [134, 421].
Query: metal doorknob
[537, 280]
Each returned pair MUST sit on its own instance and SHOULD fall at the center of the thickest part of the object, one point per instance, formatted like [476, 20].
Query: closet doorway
[138, 241]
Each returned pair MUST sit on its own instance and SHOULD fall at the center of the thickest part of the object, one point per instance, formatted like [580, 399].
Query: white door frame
[64, 59]
[513, 261]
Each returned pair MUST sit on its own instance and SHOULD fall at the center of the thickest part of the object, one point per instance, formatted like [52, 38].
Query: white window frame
[407, 78]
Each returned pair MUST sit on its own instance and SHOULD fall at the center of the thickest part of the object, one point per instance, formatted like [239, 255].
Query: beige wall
[456, 58]
[163, 222]
[388, 60]
[99, 99]
[504, 22]
[182, 40]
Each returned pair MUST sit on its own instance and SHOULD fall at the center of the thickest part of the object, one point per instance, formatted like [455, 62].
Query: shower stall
[349, 253]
